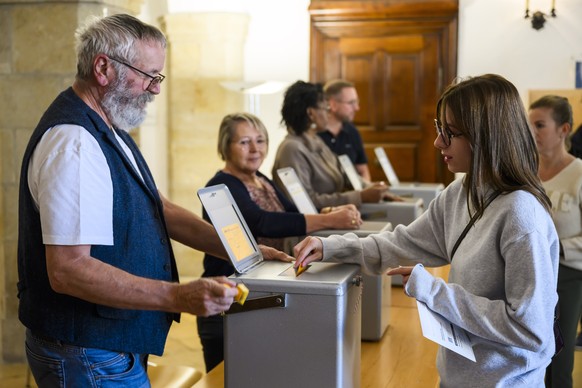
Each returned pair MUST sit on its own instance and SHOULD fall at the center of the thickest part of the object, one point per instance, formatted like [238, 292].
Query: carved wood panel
[399, 54]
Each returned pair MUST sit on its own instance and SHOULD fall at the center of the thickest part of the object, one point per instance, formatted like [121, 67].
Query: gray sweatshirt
[501, 287]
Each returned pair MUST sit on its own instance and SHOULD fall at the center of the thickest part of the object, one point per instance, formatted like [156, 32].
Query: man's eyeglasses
[155, 79]
[350, 102]
[445, 133]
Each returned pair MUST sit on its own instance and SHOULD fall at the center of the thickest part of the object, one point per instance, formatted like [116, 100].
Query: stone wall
[37, 61]
[204, 50]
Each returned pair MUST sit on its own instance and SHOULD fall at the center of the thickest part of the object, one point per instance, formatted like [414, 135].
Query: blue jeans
[57, 364]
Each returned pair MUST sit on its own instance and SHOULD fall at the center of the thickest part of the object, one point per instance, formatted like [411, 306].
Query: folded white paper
[438, 329]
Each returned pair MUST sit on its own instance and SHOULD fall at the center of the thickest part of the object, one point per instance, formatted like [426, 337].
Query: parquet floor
[403, 358]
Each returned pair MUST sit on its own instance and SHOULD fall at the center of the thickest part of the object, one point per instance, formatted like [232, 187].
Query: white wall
[494, 37]
[277, 49]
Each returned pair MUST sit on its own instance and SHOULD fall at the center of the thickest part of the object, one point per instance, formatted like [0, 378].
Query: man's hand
[389, 197]
[206, 296]
[374, 193]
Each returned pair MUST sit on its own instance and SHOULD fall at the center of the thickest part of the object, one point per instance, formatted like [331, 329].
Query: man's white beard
[124, 110]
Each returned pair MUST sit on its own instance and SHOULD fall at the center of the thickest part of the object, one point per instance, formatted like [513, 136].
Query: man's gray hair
[114, 36]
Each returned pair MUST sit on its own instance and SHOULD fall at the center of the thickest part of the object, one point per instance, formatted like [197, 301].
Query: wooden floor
[403, 358]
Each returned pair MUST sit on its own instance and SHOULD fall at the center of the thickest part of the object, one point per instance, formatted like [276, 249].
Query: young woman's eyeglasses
[445, 133]
[155, 79]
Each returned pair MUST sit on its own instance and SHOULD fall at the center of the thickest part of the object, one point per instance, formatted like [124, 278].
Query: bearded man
[98, 284]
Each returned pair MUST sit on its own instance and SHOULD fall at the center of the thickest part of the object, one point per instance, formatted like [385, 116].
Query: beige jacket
[317, 168]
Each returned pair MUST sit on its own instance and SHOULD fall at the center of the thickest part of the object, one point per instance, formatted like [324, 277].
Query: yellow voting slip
[243, 292]
[299, 270]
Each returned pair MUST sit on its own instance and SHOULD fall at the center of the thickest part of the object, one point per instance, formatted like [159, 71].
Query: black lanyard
[473, 219]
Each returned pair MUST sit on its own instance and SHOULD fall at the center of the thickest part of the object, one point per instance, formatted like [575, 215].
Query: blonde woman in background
[561, 174]
[243, 143]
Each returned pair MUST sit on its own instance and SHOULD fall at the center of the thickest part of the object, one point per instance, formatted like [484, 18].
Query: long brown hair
[488, 111]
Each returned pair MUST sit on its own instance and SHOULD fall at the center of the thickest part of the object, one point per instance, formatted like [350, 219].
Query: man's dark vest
[141, 247]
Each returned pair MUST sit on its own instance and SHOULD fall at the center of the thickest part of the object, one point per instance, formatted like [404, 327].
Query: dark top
[576, 139]
[141, 247]
[261, 223]
[348, 141]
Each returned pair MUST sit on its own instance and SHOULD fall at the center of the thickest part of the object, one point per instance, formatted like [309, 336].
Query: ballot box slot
[260, 303]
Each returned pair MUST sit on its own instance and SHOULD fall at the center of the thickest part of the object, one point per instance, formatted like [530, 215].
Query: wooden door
[399, 54]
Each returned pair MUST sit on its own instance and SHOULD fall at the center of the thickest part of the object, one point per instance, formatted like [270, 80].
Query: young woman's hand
[404, 271]
[307, 251]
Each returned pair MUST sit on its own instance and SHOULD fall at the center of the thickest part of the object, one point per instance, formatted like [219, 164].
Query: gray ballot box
[292, 331]
[426, 191]
[379, 217]
[398, 213]
[295, 331]
[376, 300]
[376, 292]
[394, 212]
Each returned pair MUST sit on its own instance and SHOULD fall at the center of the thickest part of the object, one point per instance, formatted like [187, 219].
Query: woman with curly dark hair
[304, 113]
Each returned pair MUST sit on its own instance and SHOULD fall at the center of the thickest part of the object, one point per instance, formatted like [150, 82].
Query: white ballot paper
[444, 333]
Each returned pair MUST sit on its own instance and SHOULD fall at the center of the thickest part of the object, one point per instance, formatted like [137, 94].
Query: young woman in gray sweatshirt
[502, 282]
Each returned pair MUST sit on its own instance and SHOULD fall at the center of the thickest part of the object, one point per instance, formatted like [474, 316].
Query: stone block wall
[37, 61]
[204, 50]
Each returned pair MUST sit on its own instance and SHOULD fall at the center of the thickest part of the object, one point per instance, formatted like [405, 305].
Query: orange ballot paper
[237, 241]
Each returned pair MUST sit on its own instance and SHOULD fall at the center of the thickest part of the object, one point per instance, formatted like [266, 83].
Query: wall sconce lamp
[538, 18]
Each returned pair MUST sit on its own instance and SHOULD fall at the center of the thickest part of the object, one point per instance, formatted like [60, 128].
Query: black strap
[473, 219]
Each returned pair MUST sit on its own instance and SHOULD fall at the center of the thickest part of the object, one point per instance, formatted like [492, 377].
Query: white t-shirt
[71, 186]
[565, 192]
